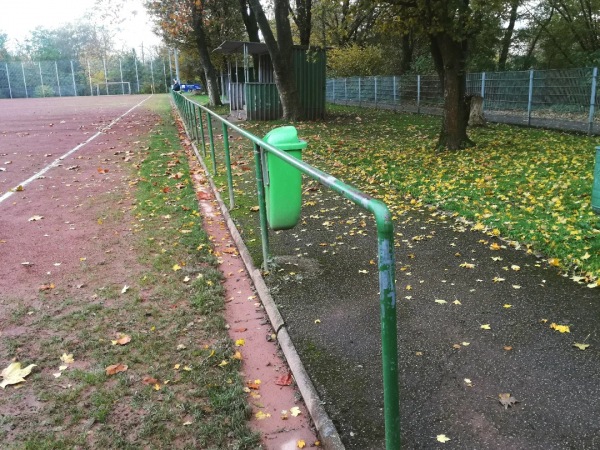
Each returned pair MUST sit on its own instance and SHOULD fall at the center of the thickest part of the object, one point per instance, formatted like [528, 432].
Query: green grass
[85, 407]
[530, 186]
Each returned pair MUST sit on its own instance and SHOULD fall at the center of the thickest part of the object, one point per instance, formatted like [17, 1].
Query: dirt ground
[67, 226]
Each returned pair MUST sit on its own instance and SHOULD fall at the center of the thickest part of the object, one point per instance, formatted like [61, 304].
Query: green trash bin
[283, 183]
[596, 185]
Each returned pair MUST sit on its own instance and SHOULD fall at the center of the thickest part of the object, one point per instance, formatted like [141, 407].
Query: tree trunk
[303, 20]
[249, 21]
[407, 53]
[507, 38]
[450, 59]
[212, 84]
[280, 51]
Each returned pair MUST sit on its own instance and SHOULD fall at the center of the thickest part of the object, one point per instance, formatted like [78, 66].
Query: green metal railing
[192, 115]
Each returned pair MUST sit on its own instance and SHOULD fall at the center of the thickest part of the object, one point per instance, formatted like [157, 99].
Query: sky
[18, 18]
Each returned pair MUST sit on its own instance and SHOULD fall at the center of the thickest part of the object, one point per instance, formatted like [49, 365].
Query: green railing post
[212, 142]
[195, 117]
[262, 207]
[202, 133]
[228, 166]
[385, 246]
[389, 333]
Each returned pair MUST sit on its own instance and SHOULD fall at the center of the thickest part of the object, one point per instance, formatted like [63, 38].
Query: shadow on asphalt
[331, 309]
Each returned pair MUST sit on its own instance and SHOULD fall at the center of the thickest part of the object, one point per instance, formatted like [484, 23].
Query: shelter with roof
[250, 85]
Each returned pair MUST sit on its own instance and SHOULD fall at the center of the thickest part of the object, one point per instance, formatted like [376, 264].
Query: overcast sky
[18, 18]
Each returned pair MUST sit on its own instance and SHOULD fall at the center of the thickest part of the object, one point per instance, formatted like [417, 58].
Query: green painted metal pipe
[228, 166]
[202, 132]
[195, 117]
[596, 185]
[262, 206]
[211, 139]
[386, 264]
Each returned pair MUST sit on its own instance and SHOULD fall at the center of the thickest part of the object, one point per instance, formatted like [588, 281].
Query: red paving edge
[247, 320]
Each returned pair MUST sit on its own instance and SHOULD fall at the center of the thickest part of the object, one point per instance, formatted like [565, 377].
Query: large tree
[280, 50]
[451, 26]
[3, 51]
[200, 25]
[561, 33]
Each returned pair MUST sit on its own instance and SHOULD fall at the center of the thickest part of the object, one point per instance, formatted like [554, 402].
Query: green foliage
[356, 61]
[533, 186]
[44, 91]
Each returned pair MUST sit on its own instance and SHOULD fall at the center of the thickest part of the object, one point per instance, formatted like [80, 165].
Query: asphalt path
[453, 282]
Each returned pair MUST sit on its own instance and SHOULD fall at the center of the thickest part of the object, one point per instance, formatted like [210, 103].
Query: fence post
[137, 77]
[57, 80]
[90, 78]
[394, 89]
[530, 97]
[333, 90]
[346, 90]
[121, 71]
[152, 74]
[482, 90]
[592, 100]
[41, 79]
[8, 79]
[375, 92]
[359, 92]
[73, 77]
[105, 75]
[24, 81]
[418, 94]
[165, 75]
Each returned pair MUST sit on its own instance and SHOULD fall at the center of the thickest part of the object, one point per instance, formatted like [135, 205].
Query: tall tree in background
[280, 50]
[450, 26]
[346, 22]
[249, 20]
[562, 33]
[507, 38]
[201, 25]
[3, 51]
[302, 16]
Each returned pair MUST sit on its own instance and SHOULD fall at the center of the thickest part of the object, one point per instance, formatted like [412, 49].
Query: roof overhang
[251, 48]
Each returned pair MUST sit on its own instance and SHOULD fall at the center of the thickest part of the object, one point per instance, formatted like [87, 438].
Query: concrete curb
[328, 434]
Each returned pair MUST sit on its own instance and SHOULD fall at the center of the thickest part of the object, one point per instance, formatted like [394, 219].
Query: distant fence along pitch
[111, 76]
[561, 99]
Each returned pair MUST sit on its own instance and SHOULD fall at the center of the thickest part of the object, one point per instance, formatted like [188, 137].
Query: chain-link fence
[109, 76]
[560, 99]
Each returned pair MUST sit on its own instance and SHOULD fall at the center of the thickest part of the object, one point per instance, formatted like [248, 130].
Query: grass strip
[182, 387]
[530, 186]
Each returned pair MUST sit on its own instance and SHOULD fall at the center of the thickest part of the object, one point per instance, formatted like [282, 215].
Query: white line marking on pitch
[57, 161]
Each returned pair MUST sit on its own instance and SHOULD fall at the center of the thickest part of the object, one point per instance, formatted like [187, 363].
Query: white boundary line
[57, 161]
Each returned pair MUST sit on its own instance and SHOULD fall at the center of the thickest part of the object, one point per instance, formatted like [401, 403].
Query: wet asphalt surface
[331, 308]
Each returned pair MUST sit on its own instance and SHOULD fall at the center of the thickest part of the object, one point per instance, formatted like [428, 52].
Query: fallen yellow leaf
[486, 327]
[301, 444]
[581, 346]
[295, 411]
[67, 359]
[442, 438]
[13, 374]
[560, 328]
[261, 415]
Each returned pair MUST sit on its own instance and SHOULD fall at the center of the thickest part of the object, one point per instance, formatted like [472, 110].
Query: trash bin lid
[285, 138]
